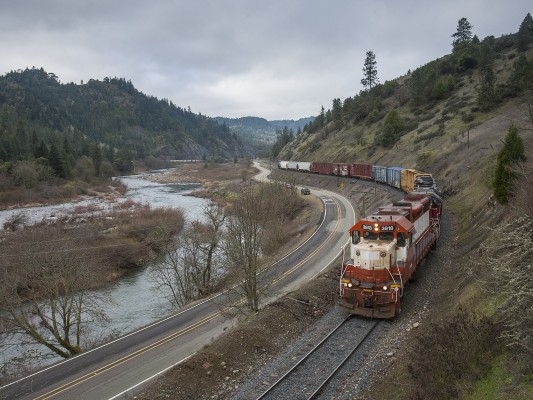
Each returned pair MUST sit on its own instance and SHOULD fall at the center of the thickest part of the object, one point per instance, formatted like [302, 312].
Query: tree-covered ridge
[367, 115]
[108, 117]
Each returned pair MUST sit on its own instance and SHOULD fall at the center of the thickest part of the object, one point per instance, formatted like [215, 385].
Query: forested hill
[260, 130]
[111, 115]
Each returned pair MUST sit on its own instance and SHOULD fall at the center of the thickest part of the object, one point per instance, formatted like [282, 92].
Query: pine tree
[370, 71]
[57, 162]
[463, 34]
[512, 151]
[487, 91]
[525, 33]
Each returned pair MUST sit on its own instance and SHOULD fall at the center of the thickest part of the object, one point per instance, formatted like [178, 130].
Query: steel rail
[326, 381]
[313, 350]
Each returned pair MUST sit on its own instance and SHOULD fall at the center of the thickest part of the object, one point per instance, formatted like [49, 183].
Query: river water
[135, 302]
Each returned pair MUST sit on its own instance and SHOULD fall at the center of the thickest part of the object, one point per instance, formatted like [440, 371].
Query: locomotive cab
[372, 279]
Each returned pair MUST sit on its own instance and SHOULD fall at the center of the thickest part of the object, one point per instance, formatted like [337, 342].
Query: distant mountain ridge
[260, 129]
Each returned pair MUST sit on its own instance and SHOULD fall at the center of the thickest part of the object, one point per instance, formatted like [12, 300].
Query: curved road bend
[113, 370]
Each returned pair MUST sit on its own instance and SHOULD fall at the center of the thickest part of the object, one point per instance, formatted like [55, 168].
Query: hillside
[112, 114]
[451, 117]
[259, 131]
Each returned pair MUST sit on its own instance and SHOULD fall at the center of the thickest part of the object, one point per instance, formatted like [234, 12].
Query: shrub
[511, 152]
[453, 352]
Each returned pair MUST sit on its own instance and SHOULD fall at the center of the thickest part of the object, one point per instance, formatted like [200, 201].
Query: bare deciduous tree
[174, 274]
[44, 293]
[257, 226]
[246, 228]
[188, 269]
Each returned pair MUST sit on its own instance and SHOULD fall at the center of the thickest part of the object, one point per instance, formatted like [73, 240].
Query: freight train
[387, 245]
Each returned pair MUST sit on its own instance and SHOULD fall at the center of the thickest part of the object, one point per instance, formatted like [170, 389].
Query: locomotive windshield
[370, 236]
[355, 237]
[388, 236]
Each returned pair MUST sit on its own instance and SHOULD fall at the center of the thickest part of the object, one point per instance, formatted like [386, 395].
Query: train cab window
[388, 236]
[356, 237]
[400, 239]
[367, 235]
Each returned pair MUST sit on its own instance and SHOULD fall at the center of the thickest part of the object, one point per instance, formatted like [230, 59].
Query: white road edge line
[149, 378]
[161, 320]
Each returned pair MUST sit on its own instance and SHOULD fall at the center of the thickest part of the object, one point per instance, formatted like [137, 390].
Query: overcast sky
[276, 59]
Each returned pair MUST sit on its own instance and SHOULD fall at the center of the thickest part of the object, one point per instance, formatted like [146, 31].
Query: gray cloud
[275, 59]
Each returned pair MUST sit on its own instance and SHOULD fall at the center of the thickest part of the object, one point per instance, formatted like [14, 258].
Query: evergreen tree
[525, 33]
[336, 110]
[96, 155]
[487, 91]
[392, 128]
[463, 34]
[511, 152]
[124, 161]
[41, 150]
[57, 162]
[370, 71]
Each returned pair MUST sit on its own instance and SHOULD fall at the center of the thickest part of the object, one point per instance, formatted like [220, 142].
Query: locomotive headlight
[350, 284]
[385, 287]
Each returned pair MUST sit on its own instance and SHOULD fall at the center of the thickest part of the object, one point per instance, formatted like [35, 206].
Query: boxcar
[282, 164]
[362, 171]
[322, 168]
[394, 177]
[341, 169]
[379, 174]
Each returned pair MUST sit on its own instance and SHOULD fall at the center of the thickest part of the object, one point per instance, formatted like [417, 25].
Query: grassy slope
[462, 162]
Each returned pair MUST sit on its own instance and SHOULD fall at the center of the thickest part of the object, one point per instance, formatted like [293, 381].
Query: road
[114, 370]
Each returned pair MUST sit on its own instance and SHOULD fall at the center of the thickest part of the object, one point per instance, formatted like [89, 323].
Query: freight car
[413, 179]
[385, 248]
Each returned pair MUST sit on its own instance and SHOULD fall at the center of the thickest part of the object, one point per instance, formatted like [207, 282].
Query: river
[134, 300]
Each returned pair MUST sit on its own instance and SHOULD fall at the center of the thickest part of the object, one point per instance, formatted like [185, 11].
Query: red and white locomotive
[387, 246]
[385, 249]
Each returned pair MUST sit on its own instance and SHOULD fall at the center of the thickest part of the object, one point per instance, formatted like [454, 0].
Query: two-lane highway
[112, 370]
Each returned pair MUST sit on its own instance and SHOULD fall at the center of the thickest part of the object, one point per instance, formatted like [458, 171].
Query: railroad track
[307, 378]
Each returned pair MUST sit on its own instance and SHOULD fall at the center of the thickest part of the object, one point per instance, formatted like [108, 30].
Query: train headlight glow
[385, 287]
[350, 284]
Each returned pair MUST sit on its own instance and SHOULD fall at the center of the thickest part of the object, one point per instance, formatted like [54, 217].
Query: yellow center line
[128, 357]
[181, 332]
[309, 256]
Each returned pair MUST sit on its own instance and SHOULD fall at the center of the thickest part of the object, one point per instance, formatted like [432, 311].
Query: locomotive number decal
[387, 228]
[367, 227]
